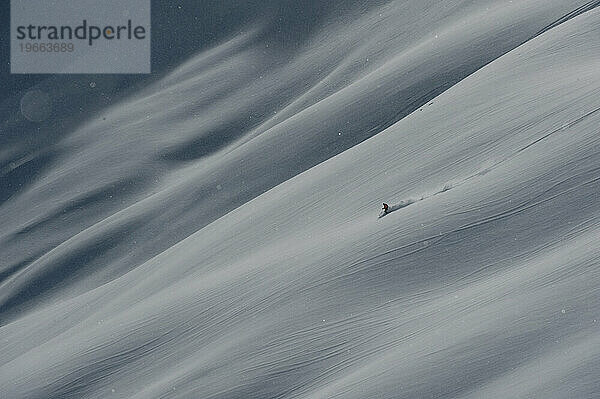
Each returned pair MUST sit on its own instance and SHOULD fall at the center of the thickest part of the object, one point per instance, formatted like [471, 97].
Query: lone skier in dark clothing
[385, 208]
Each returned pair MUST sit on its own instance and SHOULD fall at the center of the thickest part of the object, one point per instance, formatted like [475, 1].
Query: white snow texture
[216, 235]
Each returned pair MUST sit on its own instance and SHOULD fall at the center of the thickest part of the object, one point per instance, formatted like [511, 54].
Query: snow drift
[215, 234]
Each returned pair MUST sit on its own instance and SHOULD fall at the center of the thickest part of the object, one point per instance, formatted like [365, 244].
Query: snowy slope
[153, 259]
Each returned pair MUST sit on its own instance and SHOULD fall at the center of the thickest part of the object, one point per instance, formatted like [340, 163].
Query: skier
[385, 208]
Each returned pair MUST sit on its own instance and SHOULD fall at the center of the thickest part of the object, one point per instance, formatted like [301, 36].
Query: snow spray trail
[410, 201]
[447, 186]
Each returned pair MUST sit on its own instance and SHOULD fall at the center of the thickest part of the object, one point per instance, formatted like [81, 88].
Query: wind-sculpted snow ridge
[213, 236]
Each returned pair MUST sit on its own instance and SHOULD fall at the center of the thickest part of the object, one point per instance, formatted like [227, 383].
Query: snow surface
[215, 233]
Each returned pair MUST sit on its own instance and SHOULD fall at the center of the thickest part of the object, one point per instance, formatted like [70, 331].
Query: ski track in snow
[212, 234]
[410, 201]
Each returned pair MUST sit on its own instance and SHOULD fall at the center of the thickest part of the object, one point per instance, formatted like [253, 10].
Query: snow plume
[404, 203]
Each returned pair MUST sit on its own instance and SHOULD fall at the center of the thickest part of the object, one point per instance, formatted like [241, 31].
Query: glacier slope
[486, 289]
[228, 125]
